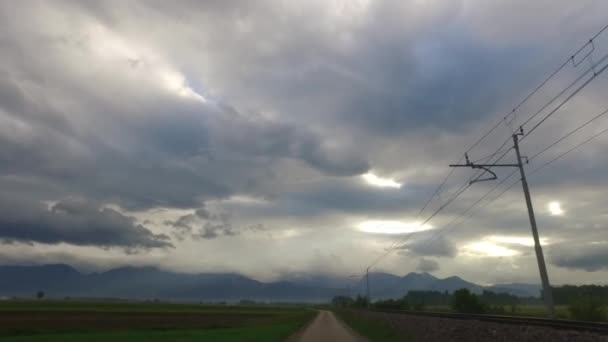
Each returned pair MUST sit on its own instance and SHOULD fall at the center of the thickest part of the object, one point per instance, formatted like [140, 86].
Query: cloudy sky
[275, 138]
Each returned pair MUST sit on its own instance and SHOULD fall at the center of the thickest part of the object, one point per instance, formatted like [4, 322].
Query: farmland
[46, 320]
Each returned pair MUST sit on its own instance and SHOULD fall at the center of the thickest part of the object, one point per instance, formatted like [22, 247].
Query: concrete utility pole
[540, 258]
[544, 277]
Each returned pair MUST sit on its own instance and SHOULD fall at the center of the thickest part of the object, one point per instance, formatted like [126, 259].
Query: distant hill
[385, 285]
[150, 282]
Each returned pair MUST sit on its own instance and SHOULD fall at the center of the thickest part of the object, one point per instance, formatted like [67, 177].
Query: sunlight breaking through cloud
[555, 208]
[392, 227]
[374, 180]
[487, 248]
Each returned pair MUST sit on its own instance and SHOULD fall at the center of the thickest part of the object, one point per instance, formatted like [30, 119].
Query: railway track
[601, 328]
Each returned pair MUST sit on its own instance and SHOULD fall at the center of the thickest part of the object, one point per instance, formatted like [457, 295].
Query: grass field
[37, 321]
[373, 329]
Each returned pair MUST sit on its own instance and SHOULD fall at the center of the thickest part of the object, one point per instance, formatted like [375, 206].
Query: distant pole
[544, 277]
[369, 298]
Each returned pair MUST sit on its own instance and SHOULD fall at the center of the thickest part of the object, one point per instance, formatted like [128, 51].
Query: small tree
[361, 302]
[587, 309]
[465, 301]
[40, 294]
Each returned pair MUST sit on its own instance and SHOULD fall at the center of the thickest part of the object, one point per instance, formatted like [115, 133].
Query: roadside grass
[561, 311]
[376, 330]
[55, 321]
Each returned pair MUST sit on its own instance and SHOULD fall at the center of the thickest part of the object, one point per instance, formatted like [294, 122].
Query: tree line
[585, 302]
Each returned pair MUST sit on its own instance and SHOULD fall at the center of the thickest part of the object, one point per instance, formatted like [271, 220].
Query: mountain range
[62, 280]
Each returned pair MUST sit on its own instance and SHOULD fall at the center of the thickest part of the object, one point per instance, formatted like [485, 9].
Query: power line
[437, 190]
[451, 224]
[538, 169]
[563, 91]
[458, 193]
[534, 171]
[498, 151]
[535, 90]
[581, 87]
[570, 133]
[521, 103]
[491, 155]
[559, 156]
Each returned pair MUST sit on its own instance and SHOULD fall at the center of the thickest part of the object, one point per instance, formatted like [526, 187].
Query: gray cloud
[427, 265]
[580, 256]
[74, 221]
[301, 98]
[204, 225]
[431, 246]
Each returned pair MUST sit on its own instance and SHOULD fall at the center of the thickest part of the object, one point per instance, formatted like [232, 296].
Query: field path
[326, 328]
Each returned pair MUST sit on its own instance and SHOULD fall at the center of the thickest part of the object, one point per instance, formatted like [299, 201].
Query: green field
[376, 330]
[37, 321]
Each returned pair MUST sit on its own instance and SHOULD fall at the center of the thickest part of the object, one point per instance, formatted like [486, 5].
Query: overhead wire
[451, 224]
[521, 103]
[537, 88]
[585, 124]
[568, 151]
[581, 87]
[498, 151]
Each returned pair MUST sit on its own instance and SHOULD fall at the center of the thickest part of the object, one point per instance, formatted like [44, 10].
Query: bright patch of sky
[555, 208]
[392, 227]
[487, 248]
[374, 180]
[515, 240]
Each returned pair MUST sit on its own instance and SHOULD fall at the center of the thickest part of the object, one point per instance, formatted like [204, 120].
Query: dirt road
[326, 328]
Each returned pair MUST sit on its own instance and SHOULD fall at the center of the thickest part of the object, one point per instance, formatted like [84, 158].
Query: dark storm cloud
[125, 152]
[345, 196]
[430, 245]
[253, 136]
[427, 265]
[73, 221]
[458, 98]
[582, 256]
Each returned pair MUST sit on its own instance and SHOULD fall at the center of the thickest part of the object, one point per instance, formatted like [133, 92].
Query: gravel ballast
[445, 329]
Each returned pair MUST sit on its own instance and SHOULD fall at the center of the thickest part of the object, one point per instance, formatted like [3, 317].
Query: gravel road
[326, 328]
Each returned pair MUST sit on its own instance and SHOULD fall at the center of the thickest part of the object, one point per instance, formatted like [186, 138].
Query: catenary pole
[544, 277]
[540, 258]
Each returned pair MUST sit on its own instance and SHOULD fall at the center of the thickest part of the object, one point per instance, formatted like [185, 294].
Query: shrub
[587, 309]
[361, 302]
[466, 302]
[392, 304]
